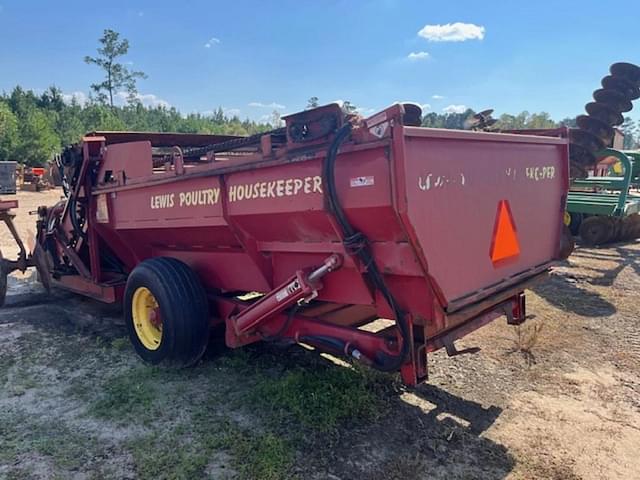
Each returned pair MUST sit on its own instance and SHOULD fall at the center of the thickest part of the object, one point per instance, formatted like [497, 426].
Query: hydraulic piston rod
[301, 287]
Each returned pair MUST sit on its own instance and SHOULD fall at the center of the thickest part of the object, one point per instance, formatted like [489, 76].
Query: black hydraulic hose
[357, 245]
[334, 345]
[73, 215]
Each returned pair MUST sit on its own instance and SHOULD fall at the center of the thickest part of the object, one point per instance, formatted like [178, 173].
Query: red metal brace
[301, 287]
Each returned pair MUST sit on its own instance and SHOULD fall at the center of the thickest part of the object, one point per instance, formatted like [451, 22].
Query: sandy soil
[557, 399]
[25, 223]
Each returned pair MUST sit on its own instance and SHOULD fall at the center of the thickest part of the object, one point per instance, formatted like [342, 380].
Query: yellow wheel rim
[146, 318]
[567, 218]
[617, 168]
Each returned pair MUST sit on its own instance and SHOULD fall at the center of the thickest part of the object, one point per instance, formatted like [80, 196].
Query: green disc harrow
[605, 209]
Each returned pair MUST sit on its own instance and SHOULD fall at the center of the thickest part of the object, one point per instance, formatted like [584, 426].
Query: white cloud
[437, 97]
[211, 42]
[80, 97]
[147, 99]
[455, 109]
[415, 56]
[360, 110]
[365, 111]
[274, 105]
[270, 118]
[231, 112]
[452, 32]
[425, 106]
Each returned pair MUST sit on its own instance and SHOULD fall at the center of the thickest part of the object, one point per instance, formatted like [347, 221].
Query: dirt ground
[558, 398]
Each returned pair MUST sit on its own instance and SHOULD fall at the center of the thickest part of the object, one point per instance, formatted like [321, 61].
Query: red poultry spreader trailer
[308, 234]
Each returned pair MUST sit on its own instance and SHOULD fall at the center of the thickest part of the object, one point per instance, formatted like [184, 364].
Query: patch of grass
[322, 397]
[168, 457]
[266, 457]
[240, 359]
[127, 397]
[19, 474]
[9, 436]
[120, 344]
[305, 388]
[17, 377]
[67, 448]
[22, 434]
[23, 380]
[184, 453]
[5, 365]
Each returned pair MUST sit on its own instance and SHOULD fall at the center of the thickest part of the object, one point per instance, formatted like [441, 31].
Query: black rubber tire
[629, 227]
[596, 230]
[183, 307]
[616, 230]
[636, 225]
[3, 281]
[567, 244]
[576, 220]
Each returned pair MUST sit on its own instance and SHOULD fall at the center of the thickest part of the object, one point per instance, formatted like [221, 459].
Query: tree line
[33, 128]
[36, 126]
[525, 121]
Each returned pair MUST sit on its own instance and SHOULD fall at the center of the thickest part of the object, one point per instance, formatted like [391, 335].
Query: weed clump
[526, 338]
[323, 397]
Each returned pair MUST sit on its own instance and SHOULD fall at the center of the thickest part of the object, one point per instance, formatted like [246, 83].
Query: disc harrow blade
[622, 85]
[628, 71]
[596, 127]
[595, 130]
[605, 113]
[614, 99]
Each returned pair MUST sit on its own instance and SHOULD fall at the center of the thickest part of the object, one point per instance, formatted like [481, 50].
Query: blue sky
[251, 57]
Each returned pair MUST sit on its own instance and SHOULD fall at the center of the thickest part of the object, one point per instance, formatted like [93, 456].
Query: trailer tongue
[330, 223]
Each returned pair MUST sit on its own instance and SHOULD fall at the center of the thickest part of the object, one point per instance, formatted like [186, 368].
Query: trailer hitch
[300, 288]
[452, 350]
[24, 260]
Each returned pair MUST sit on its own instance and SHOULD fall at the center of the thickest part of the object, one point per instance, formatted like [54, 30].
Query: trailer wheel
[595, 230]
[575, 219]
[3, 281]
[567, 244]
[166, 312]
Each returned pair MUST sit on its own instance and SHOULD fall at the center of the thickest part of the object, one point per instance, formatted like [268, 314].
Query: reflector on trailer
[505, 243]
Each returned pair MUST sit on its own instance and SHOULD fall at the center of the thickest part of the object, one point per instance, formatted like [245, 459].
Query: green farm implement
[634, 156]
[604, 208]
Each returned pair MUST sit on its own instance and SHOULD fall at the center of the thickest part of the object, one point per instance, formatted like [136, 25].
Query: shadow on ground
[605, 277]
[439, 436]
[566, 294]
[425, 432]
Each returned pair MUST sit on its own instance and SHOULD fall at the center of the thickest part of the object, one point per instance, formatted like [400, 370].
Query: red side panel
[456, 185]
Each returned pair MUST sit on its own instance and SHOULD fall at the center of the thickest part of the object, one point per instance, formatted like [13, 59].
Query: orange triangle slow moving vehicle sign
[505, 243]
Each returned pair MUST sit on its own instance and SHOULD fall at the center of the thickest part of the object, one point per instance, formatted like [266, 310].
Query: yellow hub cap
[146, 318]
